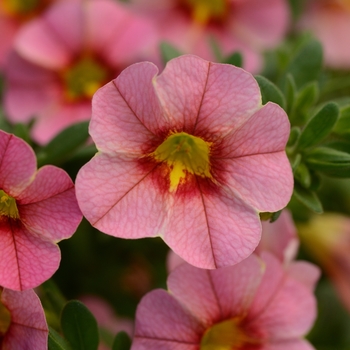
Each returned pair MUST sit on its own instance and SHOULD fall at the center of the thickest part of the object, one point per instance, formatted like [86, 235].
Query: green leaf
[293, 136]
[121, 342]
[64, 144]
[290, 92]
[270, 92]
[340, 145]
[79, 326]
[329, 161]
[236, 59]
[319, 126]
[306, 65]
[295, 161]
[343, 124]
[302, 174]
[168, 52]
[56, 342]
[308, 198]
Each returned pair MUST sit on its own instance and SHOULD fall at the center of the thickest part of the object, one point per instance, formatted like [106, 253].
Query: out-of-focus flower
[252, 305]
[190, 155]
[64, 56]
[106, 318]
[13, 14]
[327, 238]
[37, 209]
[248, 26]
[329, 20]
[22, 321]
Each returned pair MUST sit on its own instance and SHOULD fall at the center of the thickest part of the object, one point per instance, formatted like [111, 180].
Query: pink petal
[28, 329]
[48, 205]
[17, 164]
[212, 296]
[8, 29]
[306, 273]
[295, 344]
[119, 198]
[126, 111]
[198, 95]
[264, 181]
[211, 231]
[170, 327]
[26, 259]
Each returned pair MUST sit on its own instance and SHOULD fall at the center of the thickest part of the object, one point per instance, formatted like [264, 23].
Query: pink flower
[190, 155]
[329, 20]
[327, 238]
[37, 209]
[248, 26]
[64, 56]
[252, 305]
[23, 324]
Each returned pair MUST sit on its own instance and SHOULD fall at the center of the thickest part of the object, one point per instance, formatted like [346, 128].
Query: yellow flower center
[83, 78]
[8, 206]
[205, 11]
[184, 154]
[22, 8]
[5, 319]
[226, 335]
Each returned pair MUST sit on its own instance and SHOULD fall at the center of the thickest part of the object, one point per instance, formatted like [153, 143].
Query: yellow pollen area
[82, 79]
[184, 154]
[226, 335]
[20, 8]
[205, 11]
[5, 320]
[8, 206]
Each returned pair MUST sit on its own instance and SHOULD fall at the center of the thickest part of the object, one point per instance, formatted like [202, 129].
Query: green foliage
[79, 326]
[308, 198]
[236, 59]
[168, 52]
[56, 342]
[343, 124]
[121, 342]
[270, 92]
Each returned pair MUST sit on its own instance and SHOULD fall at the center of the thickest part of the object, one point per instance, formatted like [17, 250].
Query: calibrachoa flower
[22, 321]
[190, 155]
[252, 305]
[64, 56]
[329, 20]
[248, 26]
[327, 238]
[37, 209]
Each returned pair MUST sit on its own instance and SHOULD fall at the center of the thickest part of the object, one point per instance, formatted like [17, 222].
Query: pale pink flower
[327, 238]
[248, 26]
[64, 56]
[37, 209]
[190, 155]
[329, 21]
[22, 321]
[252, 305]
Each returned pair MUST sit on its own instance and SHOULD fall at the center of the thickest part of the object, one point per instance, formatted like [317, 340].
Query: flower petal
[295, 344]
[199, 95]
[26, 260]
[28, 329]
[119, 198]
[48, 205]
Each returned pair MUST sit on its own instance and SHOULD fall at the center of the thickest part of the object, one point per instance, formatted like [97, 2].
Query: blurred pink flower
[190, 155]
[252, 305]
[329, 20]
[37, 209]
[248, 26]
[22, 324]
[13, 14]
[64, 56]
[327, 238]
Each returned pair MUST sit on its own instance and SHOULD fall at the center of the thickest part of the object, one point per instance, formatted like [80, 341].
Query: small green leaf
[343, 124]
[62, 146]
[339, 145]
[329, 161]
[275, 216]
[270, 92]
[294, 136]
[79, 326]
[236, 59]
[56, 342]
[290, 92]
[295, 161]
[308, 198]
[302, 174]
[121, 342]
[168, 52]
[319, 126]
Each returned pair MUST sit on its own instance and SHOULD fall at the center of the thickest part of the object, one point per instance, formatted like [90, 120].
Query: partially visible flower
[329, 21]
[248, 26]
[37, 209]
[252, 305]
[22, 321]
[327, 238]
[190, 155]
[64, 56]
